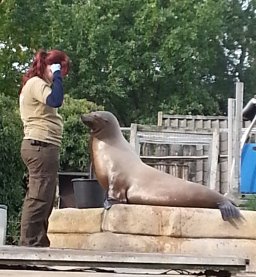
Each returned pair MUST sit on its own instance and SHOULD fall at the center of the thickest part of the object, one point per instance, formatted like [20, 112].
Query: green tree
[240, 43]
[136, 57]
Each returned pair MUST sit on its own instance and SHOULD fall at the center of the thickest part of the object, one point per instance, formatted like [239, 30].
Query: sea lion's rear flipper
[229, 211]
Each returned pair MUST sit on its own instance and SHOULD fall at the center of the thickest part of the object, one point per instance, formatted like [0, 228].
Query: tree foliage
[137, 57]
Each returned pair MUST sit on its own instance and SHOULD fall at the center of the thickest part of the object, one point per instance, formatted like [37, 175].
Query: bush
[249, 202]
[11, 166]
[74, 150]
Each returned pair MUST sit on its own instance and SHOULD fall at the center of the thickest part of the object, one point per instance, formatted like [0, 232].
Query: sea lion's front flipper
[115, 194]
[112, 198]
[108, 202]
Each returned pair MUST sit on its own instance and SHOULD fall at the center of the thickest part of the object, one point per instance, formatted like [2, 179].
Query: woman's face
[48, 74]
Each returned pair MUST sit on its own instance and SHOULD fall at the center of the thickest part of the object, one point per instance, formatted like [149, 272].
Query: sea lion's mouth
[95, 121]
[87, 120]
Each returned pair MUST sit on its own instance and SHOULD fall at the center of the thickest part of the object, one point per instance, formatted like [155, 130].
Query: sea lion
[121, 172]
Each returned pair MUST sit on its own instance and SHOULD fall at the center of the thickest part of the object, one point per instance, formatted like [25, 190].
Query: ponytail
[39, 64]
[41, 60]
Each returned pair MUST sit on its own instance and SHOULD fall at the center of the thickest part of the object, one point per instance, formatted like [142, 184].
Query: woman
[41, 94]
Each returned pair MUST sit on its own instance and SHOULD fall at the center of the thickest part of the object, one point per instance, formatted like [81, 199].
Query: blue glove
[55, 67]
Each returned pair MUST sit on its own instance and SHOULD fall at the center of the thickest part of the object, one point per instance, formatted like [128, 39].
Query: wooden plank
[198, 117]
[166, 129]
[11, 255]
[231, 115]
[134, 138]
[237, 139]
[175, 123]
[174, 157]
[223, 175]
[163, 129]
[171, 137]
[213, 159]
[160, 119]
[199, 124]
[161, 150]
[199, 165]
[201, 157]
[222, 121]
[223, 168]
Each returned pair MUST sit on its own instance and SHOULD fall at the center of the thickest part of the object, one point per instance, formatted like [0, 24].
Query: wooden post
[237, 139]
[134, 141]
[160, 119]
[231, 116]
[213, 160]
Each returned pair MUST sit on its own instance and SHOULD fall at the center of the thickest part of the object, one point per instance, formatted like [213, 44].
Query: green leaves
[135, 57]
[75, 144]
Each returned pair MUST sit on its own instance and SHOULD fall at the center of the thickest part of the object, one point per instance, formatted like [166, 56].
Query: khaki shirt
[40, 121]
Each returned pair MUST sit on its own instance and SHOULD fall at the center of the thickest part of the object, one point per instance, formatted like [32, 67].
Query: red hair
[42, 59]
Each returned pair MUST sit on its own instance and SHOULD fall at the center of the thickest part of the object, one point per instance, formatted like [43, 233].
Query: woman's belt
[39, 143]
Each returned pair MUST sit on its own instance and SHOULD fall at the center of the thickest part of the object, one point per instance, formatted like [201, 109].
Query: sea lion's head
[101, 122]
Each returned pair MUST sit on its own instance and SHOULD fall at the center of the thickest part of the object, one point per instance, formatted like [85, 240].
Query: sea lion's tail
[229, 211]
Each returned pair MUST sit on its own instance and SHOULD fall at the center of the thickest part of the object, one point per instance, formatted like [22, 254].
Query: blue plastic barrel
[248, 169]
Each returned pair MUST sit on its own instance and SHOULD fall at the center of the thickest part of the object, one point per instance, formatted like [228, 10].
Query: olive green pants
[42, 163]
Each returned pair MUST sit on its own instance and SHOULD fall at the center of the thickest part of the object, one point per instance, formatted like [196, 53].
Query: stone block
[176, 222]
[71, 220]
[107, 241]
[240, 248]
[206, 247]
[142, 219]
[208, 223]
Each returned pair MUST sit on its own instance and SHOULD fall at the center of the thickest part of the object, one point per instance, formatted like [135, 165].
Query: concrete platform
[152, 220]
[74, 260]
[153, 229]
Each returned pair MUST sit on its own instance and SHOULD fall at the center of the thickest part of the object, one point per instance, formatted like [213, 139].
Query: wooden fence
[189, 147]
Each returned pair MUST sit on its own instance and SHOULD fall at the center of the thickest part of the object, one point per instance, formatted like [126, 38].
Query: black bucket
[88, 193]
